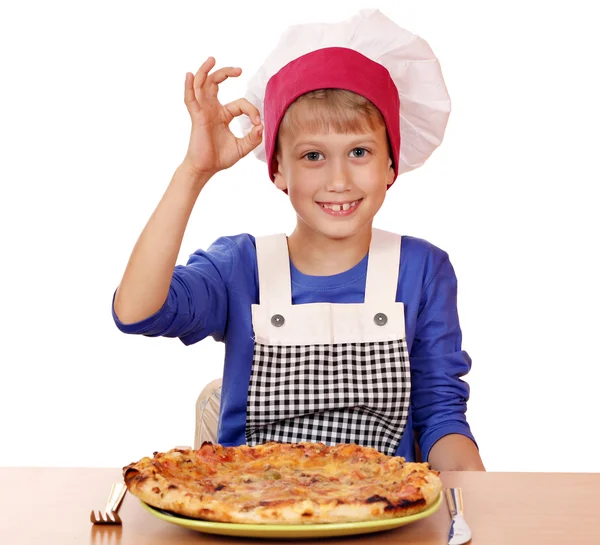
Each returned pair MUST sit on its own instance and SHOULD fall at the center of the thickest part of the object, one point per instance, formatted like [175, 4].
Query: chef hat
[367, 54]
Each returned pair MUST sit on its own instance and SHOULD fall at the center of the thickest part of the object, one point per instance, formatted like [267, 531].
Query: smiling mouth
[339, 207]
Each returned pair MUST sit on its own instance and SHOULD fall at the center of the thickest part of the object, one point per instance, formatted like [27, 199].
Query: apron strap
[274, 275]
[383, 267]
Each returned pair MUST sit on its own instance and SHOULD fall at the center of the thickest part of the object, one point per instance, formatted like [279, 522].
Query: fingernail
[257, 119]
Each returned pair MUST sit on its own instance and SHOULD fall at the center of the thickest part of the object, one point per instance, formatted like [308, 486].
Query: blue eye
[359, 152]
[313, 155]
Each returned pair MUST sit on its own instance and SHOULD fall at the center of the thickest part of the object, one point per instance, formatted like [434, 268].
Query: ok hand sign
[213, 147]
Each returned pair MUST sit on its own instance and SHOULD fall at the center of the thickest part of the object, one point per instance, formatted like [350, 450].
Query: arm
[213, 147]
[147, 278]
[455, 452]
[439, 395]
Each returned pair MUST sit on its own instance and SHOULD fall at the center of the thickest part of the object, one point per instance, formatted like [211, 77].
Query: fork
[110, 516]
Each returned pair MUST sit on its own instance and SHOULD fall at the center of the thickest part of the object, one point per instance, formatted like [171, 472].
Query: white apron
[329, 372]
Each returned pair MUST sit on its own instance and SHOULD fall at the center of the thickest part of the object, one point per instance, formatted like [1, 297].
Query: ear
[390, 173]
[280, 181]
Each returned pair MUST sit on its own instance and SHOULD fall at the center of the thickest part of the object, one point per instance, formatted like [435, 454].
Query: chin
[339, 231]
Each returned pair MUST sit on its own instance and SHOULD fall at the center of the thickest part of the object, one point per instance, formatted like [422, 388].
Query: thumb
[251, 140]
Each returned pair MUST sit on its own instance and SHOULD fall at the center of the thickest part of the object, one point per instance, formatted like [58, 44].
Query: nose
[339, 177]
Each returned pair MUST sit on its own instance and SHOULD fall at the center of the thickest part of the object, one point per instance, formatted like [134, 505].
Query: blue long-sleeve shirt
[212, 296]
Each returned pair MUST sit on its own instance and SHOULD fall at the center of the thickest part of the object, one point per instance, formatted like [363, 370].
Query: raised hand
[213, 147]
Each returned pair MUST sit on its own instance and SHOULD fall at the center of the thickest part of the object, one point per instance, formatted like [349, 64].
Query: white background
[93, 125]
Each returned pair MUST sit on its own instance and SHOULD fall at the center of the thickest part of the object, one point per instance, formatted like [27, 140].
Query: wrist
[186, 174]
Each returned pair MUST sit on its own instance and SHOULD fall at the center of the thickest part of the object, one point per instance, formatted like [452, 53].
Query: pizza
[283, 483]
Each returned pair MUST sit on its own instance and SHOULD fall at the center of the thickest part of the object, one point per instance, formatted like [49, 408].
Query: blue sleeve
[439, 396]
[196, 305]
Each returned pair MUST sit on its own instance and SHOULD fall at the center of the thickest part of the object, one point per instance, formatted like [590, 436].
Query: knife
[459, 529]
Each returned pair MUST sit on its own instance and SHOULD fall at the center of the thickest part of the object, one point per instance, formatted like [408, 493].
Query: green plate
[290, 530]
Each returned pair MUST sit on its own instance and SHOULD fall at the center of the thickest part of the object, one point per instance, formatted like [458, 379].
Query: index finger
[244, 106]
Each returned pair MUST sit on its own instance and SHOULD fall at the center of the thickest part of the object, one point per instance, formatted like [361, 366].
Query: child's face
[336, 182]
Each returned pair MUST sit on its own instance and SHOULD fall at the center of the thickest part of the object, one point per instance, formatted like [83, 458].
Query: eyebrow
[352, 143]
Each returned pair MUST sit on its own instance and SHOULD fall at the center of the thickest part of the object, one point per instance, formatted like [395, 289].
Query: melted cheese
[298, 482]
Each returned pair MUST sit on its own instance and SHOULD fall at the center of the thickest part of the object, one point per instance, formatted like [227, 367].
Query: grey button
[277, 320]
[380, 318]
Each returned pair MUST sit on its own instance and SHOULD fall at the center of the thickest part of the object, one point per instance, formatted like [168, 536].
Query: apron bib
[329, 372]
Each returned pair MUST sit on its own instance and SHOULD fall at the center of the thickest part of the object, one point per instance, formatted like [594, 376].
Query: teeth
[339, 207]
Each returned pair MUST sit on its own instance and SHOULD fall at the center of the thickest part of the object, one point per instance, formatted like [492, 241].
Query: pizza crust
[277, 483]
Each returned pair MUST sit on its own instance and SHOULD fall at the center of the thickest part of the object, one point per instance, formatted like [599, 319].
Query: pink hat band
[331, 68]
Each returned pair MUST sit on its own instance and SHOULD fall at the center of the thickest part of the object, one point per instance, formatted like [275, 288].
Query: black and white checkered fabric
[344, 393]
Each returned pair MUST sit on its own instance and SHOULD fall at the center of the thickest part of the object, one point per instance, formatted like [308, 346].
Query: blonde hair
[337, 110]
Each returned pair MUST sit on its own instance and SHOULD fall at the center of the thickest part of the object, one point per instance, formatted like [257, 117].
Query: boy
[318, 326]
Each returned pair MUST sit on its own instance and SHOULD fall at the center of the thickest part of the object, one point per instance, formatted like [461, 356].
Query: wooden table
[52, 506]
